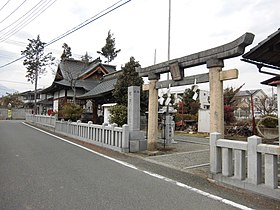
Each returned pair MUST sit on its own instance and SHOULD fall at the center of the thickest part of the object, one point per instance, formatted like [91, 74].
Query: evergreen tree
[66, 52]
[129, 77]
[86, 58]
[36, 62]
[109, 51]
[190, 106]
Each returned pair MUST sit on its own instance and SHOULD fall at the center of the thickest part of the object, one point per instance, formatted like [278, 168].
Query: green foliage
[109, 51]
[66, 52]
[269, 121]
[86, 58]
[71, 112]
[35, 59]
[190, 106]
[118, 115]
[128, 78]
[229, 95]
[12, 99]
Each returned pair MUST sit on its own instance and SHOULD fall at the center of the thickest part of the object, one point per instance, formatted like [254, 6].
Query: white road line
[197, 166]
[214, 197]
[180, 153]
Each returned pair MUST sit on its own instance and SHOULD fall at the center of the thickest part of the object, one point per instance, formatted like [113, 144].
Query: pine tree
[66, 52]
[86, 58]
[36, 62]
[109, 51]
[129, 77]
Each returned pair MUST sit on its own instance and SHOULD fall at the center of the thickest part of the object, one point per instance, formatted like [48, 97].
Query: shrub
[179, 117]
[269, 121]
[118, 115]
[71, 112]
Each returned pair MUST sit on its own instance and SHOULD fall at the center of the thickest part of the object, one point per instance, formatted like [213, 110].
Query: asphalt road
[38, 171]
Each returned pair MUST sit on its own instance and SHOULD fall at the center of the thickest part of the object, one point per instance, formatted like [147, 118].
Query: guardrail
[109, 136]
[249, 165]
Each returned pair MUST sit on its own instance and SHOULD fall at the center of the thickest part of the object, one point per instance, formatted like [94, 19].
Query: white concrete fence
[249, 165]
[109, 136]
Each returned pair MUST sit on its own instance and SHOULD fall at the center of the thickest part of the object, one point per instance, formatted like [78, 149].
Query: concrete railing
[109, 136]
[249, 165]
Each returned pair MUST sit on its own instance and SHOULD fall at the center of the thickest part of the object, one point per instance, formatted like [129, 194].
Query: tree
[230, 103]
[72, 76]
[109, 51]
[266, 105]
[129, 77]
[191, 106]
[86, 58]
[12, 99]
[66, 52]
[36, 62]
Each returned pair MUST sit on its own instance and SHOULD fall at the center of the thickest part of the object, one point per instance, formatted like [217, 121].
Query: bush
[269, 121]
[179, 117]
[118, 115]
[71, 112]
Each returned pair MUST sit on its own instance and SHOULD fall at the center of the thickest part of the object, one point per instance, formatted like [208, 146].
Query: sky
[140, 29]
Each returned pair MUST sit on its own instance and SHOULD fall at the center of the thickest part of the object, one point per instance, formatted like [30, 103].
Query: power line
[33, 15]
[4, 5]
[83, 24]
[13, 12]
[10, 81]
[86, 22]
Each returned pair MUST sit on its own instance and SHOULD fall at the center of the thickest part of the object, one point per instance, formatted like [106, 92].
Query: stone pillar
[216, 96]
[137, 141]
[153, 113]
[133, 108]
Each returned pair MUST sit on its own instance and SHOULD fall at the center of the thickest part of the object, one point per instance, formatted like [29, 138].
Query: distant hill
[4, 90]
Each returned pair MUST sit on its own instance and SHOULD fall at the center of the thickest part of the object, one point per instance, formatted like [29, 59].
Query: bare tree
[266, 105]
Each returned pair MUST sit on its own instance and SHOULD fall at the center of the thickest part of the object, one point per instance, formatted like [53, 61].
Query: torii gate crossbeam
[213, 58]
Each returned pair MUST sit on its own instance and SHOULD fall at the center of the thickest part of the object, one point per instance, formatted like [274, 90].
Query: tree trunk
[35, 91]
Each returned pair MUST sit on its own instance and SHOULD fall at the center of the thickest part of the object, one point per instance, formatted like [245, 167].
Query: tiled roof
[101, 88]
[86, 84]
[106, 85]
[246, 93]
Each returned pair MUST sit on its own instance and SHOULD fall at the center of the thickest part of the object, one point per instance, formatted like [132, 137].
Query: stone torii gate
[214, 60]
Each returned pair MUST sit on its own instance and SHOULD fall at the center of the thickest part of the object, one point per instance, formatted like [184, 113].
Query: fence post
[254, 160]
[271, 170]
[125, 138]
[103, 133]
[239, 164]
[215, 154]
[78, 128]
[89, 125]
[112, 142]
[227, 163]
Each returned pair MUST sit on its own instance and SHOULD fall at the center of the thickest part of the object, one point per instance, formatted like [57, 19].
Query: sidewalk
[188, 154]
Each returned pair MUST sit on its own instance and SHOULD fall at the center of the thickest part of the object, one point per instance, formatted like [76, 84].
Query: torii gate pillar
[216, 95]
[153, 112]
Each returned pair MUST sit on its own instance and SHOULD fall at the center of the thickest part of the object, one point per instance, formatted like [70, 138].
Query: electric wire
[23, 15]
[83, 24]
[13, 12]
[26, 21]
[5, 5]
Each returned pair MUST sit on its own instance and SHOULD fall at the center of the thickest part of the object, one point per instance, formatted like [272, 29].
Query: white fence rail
[109, 136]
[250, 165]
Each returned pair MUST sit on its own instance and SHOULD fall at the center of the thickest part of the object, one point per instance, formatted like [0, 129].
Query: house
[245, 99]
[75, 78]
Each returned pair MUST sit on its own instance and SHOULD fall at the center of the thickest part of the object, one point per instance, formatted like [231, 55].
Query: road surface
[39, 171]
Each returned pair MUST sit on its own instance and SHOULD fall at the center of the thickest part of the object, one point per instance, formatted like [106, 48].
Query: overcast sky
[139, 27]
